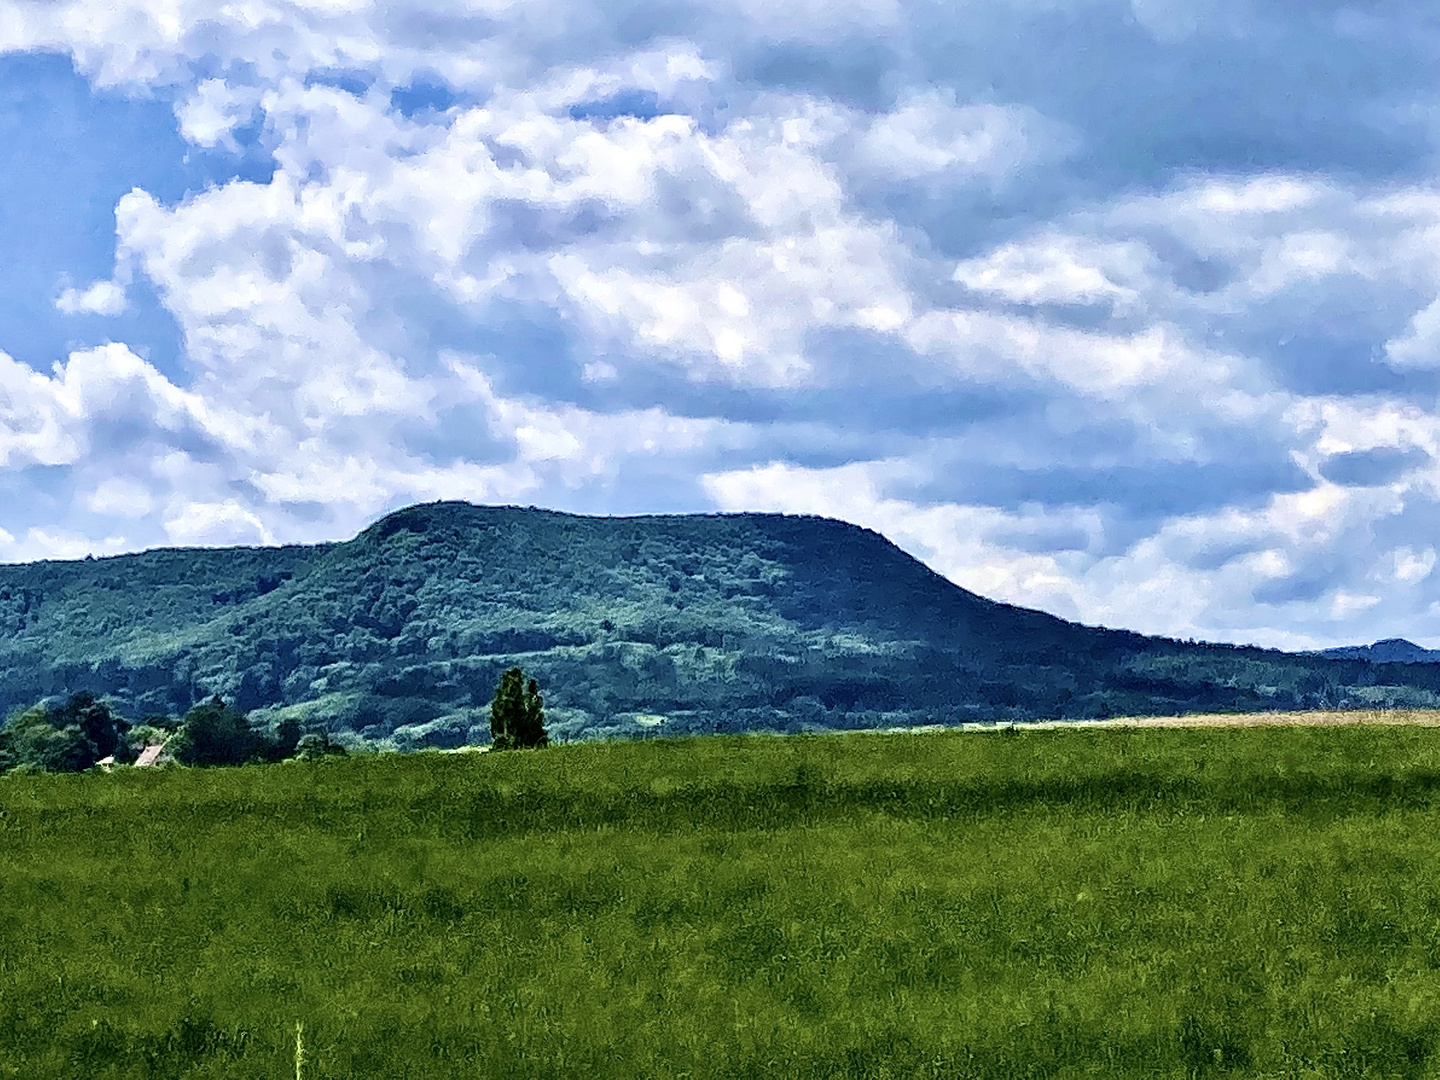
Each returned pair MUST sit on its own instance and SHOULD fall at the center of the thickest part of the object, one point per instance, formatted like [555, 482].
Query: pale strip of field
[1314, 718]
[1317, 718]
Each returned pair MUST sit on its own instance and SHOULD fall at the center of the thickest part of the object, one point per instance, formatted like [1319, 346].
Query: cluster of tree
[83, 731]
[68, 737]
[214, 733]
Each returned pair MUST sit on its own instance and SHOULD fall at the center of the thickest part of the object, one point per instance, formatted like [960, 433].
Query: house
[150, 755]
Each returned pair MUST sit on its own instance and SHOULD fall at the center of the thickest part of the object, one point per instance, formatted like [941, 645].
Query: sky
[1127, 310]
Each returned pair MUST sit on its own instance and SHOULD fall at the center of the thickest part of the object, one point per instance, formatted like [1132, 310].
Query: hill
[663, 624]
[1391, 650]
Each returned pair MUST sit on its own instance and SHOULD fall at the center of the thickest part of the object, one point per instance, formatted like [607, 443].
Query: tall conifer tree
[517, 714]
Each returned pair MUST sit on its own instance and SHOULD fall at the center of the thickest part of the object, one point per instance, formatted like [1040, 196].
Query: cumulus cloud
[101, 298]
[213, 110]
[1081, 318]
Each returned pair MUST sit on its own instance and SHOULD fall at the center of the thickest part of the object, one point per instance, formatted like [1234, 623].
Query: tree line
[83, 731]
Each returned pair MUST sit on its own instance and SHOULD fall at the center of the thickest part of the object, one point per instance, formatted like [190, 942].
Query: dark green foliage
[214, 733]
[31, 739]
[98, 726]
[682, 624]
[517, 714]
[1126, 904]
[69, 736]
[288, 736]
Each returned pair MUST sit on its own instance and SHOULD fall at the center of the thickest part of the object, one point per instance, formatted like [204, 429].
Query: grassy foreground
[1112, 903]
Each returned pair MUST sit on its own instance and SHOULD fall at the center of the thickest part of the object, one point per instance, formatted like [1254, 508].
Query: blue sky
[1124, 309]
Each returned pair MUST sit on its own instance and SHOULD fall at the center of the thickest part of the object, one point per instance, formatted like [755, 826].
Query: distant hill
[1389, 651]
[659, 624]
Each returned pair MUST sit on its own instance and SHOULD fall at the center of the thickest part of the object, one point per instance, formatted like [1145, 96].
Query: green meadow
[1062, 903]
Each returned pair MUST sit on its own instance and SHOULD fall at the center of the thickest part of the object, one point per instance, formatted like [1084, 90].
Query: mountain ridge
[640, 624]
[1387, 650]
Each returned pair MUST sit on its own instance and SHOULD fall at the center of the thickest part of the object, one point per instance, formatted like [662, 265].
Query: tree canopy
[214, 733]
[66, 737]
[82, 731]
[517, 714]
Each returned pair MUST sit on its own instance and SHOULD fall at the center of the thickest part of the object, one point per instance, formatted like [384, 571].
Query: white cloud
[1255, 195]
[215, 524]
[60, 419]
[32, 422]
[1059, 270]
[1296, 256]
[121, 496]
[1409, 566]
[760, 236]
[1005, 349]
[58, 544]
[270, 306]
[929, 134]
[1419, 345]
[1339, 426]
[101, 298]
[743, 313]
[213, 110]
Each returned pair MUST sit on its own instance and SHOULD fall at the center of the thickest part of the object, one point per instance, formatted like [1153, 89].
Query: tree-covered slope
[664, 623]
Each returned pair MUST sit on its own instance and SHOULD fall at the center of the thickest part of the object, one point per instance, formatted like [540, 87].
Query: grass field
[1122, 902]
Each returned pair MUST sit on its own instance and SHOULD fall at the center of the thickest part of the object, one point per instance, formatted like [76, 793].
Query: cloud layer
[1128, 311]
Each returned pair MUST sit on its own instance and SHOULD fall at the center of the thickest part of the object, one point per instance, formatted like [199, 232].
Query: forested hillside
[656, 624]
